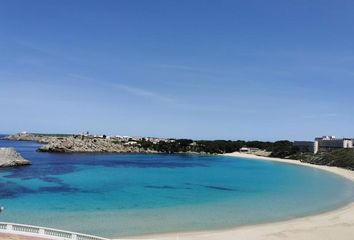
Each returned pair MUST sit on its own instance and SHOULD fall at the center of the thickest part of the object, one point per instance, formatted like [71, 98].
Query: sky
[201, 69]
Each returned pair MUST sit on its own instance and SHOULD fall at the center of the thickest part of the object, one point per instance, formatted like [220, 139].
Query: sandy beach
[8, 236]
[336, 225]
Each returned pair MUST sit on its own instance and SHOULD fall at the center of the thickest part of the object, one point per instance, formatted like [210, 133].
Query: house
[249, 150]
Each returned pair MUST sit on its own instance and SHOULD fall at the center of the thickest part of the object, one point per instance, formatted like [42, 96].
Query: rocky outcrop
[29, 137]
[79, 143]
[88, 144]
[10, 158]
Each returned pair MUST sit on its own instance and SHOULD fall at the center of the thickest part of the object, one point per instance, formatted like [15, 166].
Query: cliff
[10, 158]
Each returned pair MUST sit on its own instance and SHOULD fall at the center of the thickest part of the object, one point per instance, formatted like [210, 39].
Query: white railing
[28, 230]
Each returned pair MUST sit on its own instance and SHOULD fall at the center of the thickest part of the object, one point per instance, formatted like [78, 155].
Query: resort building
[324, 144]
[249, 150]
[328, 143]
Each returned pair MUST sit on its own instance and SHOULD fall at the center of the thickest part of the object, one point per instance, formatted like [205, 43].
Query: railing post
[41, 231]
[31, 230]
[9, 227]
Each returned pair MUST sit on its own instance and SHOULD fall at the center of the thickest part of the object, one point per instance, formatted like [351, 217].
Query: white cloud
[321, 115]
[143, 93]
[185, 68]
[140, 92]
[33, 61]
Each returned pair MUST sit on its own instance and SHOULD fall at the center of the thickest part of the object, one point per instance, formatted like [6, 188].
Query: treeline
[278, 148]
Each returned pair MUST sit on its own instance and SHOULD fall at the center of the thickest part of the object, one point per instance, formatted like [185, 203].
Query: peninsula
[66, 143]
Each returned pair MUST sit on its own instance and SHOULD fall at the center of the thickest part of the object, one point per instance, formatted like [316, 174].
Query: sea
[118, 195]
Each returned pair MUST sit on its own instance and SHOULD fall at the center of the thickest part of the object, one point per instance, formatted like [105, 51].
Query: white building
[328, 143]
[249, 150]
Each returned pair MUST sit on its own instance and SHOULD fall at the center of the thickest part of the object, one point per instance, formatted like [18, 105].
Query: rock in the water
[10, 158]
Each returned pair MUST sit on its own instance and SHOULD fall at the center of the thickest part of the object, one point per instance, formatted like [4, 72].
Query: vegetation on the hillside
[339, 158]
[279, 148]
[283, 149]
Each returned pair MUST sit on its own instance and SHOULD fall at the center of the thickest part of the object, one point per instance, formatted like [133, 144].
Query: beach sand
[336, 225]
[8, 236]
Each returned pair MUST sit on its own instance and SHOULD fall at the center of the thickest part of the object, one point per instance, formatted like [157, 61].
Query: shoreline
[336, 224]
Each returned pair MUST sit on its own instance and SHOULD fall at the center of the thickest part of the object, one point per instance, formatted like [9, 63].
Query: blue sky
[198, 69]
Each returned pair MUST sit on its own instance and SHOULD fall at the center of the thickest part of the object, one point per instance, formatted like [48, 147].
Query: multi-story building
[328, 143]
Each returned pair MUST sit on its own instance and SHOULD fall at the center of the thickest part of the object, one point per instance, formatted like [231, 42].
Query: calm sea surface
[115, 195]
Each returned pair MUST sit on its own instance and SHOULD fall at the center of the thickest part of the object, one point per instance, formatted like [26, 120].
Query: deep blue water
[116, 195]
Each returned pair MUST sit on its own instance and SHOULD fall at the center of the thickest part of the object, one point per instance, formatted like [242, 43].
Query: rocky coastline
[80, 144]
[29, 137]
[10, 158]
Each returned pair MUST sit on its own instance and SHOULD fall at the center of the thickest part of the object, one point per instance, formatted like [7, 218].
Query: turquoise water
[115, 195]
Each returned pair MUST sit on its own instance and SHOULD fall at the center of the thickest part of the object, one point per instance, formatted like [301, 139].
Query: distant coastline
[85, 143]
[124, 144]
